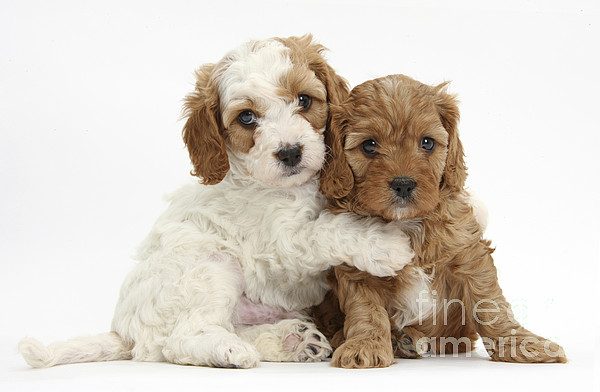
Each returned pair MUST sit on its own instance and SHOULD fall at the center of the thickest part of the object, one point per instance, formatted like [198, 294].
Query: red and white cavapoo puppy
[227, 271]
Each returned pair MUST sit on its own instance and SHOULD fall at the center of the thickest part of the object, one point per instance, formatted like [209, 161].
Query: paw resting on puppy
[390, 250]
[367, 243]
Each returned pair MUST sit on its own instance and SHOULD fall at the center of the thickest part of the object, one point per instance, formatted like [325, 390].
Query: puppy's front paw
[224, 350]
[363, 354]
[390, 250]
[237, 354]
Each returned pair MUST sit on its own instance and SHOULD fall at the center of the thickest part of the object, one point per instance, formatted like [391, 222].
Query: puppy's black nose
[403, 186]
[290, 156]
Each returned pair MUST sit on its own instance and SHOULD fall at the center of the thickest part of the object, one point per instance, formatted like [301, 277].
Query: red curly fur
[397, 112]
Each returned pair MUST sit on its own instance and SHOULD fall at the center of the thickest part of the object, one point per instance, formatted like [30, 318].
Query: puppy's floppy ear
[337, 86]
[337, 179]
[455, 172]
[202, 132]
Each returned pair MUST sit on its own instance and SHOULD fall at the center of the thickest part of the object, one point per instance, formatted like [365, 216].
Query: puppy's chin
[404, 212]
[407, 210]
[291, 178]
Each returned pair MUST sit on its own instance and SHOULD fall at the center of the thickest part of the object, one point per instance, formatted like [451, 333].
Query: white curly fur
[219, 250]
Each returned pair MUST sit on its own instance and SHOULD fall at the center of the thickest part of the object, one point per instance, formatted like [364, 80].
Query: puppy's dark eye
[427, 144]
[304, 101]
[369, 147]
[247, 117]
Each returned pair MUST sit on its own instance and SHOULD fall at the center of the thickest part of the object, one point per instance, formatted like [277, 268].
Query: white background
[90, 98]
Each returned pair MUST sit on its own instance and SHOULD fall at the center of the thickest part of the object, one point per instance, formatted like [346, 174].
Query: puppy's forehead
[392, 107]
[254, 69]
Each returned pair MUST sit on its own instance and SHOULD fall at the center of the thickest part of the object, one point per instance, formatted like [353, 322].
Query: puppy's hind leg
[290, 340]
[409, 343]
[203, 333]
[504, 338]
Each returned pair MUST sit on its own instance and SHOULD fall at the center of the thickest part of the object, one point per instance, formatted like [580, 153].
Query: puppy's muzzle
[403, 187]
[290, 155]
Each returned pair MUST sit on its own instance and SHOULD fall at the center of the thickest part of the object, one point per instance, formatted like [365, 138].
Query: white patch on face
[401, 213]
[279, 128]
[254, 72]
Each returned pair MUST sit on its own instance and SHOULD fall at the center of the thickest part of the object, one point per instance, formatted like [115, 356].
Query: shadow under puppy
[396, 154]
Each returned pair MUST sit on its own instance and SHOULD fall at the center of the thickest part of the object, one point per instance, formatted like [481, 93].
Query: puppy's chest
[434, 246]
[274, 240]
[277, 249]
[413, 300]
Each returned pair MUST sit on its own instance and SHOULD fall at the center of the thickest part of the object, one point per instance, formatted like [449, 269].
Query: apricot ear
[337, 179]
[455, 171]
[202, 132]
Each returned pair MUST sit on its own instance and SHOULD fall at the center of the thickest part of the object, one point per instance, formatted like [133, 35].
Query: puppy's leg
[409, 343]
[203, 333]
[367, 327]
[208, 345]
[290, 340]
[337, 339]
[328, 316]
[505, 339]
[450, 331]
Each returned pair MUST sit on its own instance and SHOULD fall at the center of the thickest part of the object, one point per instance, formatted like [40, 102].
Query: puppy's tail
[104, 347]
